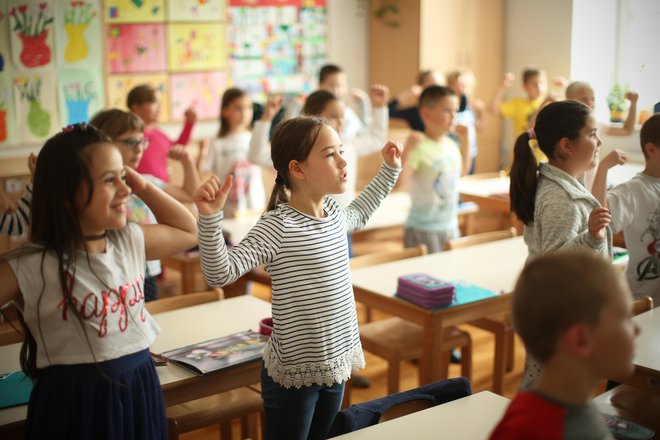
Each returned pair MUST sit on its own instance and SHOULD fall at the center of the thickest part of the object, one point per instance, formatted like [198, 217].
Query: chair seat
[215, 409]
[396, 337]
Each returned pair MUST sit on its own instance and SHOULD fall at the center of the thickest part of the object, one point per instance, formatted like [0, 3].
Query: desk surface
[494, 266]
[647, 354]
[472, 417]
[178, 328]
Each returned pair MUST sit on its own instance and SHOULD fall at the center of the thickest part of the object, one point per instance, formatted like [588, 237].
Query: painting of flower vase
[31, 26]
[77, 17]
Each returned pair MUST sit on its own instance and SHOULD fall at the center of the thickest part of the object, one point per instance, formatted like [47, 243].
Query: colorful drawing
[136, 48]
[30, 23]
[118, 87]
[196, 47]
[202, 91]
[77, 17]
[3, 118]
[4, 48]
[38, 119]
[8, 125]
[134, 11]
[80, 94]
[195, 10]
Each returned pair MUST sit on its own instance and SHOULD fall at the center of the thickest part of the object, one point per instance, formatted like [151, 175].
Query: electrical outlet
[13, 185]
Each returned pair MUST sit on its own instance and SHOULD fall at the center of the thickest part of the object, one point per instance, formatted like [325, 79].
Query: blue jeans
[298, 414]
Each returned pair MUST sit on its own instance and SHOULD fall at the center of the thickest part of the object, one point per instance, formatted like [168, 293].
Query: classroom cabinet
[442, 35]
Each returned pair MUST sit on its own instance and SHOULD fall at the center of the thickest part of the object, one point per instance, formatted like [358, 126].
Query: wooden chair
[395, 339]
[244, 403]
[644, 304]
[500, 325]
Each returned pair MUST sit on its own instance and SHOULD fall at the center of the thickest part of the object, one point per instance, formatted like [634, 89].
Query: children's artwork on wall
[134, 11]
[80, 93]
[31, 33]
[78, 33]
[201, 90]
[195, 10]
[7, 123]
[35, 103]
[4, 38]
[196, 47]
[136, 48]
[118, 87]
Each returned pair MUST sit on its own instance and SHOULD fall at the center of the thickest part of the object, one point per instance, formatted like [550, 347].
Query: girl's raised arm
[176, 230]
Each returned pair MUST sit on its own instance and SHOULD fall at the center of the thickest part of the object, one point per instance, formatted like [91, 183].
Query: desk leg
[434, 364]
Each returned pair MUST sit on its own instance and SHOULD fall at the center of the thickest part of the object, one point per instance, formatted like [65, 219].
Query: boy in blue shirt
[436, 165]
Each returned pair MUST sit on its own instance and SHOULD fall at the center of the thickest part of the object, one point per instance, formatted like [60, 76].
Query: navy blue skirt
[116, 399]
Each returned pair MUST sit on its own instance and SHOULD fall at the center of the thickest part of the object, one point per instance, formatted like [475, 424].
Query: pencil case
[425, 290]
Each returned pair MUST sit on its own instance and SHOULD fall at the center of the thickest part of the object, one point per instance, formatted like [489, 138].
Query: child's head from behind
[576, 306]
[125, 129]
[235, 111]
[583, 92]
[535, 82]
[143, 100]
[326, 105]
[79, 189]
[306, 151]
[437, 107]
[649, 137]
[461, 81]
[333, 79]
[427, 78]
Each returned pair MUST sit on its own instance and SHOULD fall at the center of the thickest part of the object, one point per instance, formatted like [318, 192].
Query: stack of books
[425, 290]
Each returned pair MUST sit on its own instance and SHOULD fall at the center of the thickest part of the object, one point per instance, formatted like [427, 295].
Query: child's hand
[273, 105]
[613, 158]
[135, 180]
[392, 152]
[32, 164]
[508, 79]
[632, 96]
[380, 94]
[210, 197]
[359, 95]
[190, 115]
[559, 82]
[179, 153]
[599, 219]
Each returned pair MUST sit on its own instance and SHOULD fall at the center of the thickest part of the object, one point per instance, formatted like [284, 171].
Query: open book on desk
[216, 354]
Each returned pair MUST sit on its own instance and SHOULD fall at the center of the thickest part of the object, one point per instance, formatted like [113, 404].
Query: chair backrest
[375, 411]
[387, 256]
[644, 304]
[185, 300]
[484, 237]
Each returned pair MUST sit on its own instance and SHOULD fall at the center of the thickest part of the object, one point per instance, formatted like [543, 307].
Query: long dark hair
[555, 121]
[293, 140]
[62, 169]
[228, 97]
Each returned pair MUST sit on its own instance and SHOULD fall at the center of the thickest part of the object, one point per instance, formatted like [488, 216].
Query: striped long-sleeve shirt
[16, 223]
[315, 338]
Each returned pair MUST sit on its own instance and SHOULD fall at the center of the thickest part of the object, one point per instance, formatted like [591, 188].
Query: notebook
[15, 389]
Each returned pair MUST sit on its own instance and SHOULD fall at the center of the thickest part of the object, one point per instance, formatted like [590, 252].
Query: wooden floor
[376, 370]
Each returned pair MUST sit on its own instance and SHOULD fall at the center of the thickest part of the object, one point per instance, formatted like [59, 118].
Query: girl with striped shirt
[301, 239]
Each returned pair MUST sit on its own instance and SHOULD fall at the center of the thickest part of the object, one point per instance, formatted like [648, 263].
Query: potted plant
[616, 101]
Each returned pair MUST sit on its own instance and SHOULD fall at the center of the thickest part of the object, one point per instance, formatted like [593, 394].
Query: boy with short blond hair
[573, 311]
[635, 209]
[436, 165]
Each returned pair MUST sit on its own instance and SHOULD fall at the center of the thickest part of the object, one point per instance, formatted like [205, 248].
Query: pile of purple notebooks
[425, 291]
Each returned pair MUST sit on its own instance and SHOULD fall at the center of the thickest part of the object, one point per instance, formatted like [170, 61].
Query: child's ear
[564, 149]
[296, 170]
[650, 149]
[577, 341]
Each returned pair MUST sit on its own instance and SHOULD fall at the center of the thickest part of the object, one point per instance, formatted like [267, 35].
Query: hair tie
[531, 133]
[279, 180]
[77, 126]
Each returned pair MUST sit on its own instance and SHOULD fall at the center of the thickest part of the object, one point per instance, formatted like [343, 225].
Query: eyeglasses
[133, 143]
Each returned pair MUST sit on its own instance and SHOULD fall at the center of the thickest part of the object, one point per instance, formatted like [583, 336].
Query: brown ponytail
[293, 140]
[555, 121]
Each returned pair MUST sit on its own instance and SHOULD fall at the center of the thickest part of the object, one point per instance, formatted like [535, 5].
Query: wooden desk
[490, 191]
[179, 328]
[473, 417]
[494, 266]
[647, 354]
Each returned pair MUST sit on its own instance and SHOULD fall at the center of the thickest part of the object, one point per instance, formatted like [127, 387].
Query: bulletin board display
[61, 61]
[276, 46]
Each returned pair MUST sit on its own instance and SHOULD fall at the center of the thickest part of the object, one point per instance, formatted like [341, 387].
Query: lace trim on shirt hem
[325, 373]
